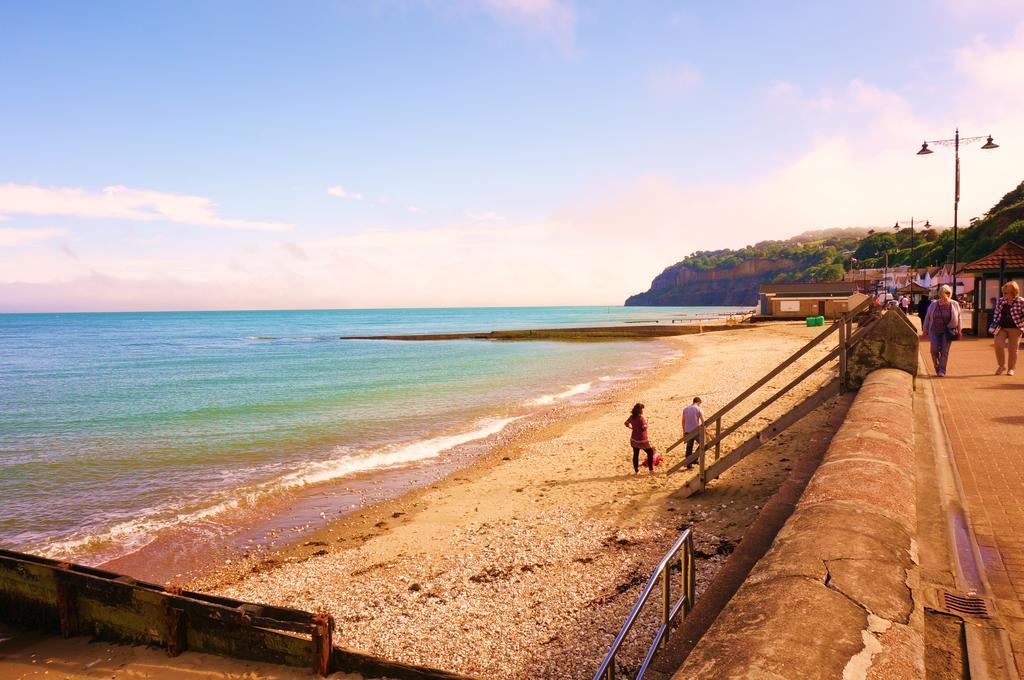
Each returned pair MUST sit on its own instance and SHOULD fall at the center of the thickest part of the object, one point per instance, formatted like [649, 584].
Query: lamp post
[955, 143]
[899, 223]
[885, 273]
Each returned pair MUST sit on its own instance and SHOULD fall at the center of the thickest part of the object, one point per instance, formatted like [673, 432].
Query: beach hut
[799, 300]
[1005, 263]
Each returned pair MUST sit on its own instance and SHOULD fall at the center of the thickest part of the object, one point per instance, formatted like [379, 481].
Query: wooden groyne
[587, 334]
[70, 599]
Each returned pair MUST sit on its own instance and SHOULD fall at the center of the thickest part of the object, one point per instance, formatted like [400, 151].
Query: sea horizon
[382, 308]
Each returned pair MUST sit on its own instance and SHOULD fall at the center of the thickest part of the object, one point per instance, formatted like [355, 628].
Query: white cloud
[965, 8]
[782, 89]
[996, 73]
[552, 17]
[485, 216]
[448, 265]
[859, 169]
[340, 192]
[10, 236]
[122, 203]
[675, 79]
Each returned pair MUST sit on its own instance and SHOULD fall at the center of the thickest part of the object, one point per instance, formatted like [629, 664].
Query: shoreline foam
[134, 535]
[295, 505]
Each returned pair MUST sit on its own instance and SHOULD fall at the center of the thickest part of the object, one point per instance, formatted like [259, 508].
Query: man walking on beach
[693, 418]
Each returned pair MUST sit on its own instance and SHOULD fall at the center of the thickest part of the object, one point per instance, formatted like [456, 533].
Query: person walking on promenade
[942, 326]
[922, 308]
[693, 418]
[1007, 325]
[638, 439]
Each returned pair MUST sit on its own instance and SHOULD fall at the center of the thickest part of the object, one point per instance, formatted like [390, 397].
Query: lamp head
[927, 224]
[990, 144]
[924, 149]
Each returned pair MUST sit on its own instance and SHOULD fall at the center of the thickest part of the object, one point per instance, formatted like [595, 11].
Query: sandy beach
[525, 564]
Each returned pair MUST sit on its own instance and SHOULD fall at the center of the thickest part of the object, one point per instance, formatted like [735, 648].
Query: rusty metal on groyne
[70, 599]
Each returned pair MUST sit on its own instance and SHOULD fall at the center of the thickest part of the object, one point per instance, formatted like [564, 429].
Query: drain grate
[965, 604]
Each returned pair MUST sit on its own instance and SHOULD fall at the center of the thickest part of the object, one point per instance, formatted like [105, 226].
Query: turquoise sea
[116, 427]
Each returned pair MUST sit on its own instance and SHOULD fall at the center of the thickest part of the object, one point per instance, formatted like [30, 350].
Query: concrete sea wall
[834, 596]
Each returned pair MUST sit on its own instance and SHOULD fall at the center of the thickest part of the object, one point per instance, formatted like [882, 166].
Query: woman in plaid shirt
[1007, 325]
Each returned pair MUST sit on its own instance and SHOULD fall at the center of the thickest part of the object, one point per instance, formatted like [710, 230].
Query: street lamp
[955, 143]
[927, 225]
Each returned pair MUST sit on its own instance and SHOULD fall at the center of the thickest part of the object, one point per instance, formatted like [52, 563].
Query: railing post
[701, 456]
[691, 594]
[666, 601]
[683, 561]
[842, 353]
[684, 574]
[718, 437]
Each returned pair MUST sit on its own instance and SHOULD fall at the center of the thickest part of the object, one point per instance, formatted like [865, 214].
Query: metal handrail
[846, 340]
[683, 550]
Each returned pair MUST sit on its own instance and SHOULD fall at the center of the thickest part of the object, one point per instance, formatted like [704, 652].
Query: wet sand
[525, 564]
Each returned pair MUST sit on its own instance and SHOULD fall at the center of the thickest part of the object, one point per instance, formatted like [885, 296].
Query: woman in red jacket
[638, 438]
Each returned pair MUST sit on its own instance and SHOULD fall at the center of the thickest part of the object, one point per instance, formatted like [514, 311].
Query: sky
[417, 153]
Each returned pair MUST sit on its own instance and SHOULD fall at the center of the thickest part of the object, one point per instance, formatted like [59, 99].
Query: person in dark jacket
[922, 307]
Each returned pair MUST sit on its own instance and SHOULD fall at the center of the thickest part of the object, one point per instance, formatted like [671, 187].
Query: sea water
[116, 427]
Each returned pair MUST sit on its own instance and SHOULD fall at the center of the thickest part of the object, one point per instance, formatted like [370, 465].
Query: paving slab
[984, 417]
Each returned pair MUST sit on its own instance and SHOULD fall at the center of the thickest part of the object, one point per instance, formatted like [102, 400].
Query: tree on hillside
[874, 246]
[1012, 197]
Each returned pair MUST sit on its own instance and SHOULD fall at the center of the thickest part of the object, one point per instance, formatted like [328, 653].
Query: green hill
[731, 277]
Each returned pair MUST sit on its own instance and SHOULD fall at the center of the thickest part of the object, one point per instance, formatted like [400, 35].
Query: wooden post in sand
[323, 634]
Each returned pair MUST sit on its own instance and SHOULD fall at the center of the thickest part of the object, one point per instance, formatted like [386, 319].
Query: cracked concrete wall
[834, 596]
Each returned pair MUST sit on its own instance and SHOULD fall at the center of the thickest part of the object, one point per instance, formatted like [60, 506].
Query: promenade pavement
[984, 417]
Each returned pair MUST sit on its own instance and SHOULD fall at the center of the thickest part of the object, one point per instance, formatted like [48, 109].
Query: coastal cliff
[680, 285]
[731, 277]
